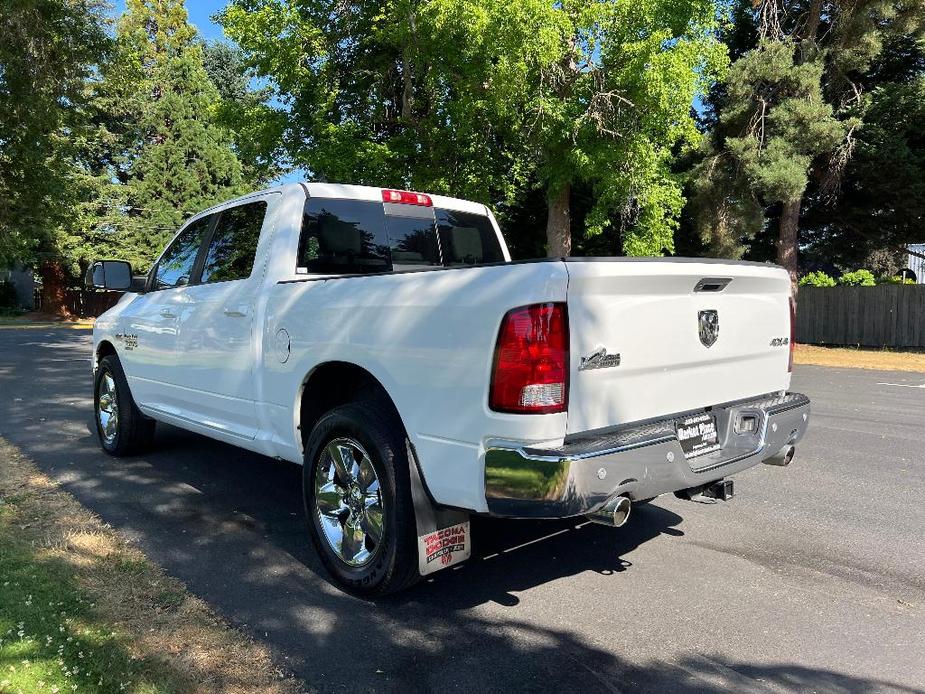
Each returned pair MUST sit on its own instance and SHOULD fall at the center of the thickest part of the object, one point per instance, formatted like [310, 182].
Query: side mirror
[110, 274]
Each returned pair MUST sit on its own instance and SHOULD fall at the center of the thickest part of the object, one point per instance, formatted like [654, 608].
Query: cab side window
[234, 243]
[175, 267]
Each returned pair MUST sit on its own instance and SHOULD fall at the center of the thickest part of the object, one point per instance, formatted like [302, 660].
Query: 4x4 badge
[708, 324]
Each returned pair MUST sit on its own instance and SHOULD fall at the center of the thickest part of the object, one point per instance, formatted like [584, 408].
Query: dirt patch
[171, 640]
[859, 358]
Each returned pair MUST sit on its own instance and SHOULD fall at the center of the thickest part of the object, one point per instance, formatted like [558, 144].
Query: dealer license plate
[697, 435]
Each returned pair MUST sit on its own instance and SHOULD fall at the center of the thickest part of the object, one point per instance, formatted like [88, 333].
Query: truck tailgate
[648, 312]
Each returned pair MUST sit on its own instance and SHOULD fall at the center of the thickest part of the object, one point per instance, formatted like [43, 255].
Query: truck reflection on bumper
[639, 461]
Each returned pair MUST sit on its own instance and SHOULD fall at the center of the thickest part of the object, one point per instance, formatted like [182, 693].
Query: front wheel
[121, 427]
[357, 497]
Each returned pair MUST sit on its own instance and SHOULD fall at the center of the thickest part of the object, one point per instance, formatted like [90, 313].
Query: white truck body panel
[210, 358]
[647, 312]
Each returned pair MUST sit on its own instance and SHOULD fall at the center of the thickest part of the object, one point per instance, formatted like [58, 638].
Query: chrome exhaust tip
[614, 513]
[783, 457]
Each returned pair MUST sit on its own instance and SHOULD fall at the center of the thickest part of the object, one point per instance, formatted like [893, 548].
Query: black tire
[393, 561]
[132, 431]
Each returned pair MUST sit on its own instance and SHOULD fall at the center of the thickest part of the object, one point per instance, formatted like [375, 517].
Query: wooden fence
[83, 303]
[884, 316]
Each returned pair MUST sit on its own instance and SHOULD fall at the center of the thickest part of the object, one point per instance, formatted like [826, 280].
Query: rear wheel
[121, 427]
[357, 496]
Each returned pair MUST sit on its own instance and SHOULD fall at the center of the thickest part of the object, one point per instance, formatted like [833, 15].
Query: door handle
[235, 311]
[167, 313]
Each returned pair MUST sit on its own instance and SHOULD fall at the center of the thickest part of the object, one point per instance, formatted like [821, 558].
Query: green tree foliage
[224, 63]
[256, 128]
[600, 94]
[365, 99]
[48, 51]
[789, 119]
[478, 98]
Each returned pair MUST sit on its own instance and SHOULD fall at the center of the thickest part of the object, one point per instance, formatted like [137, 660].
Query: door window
[176, 265]
[234, 243]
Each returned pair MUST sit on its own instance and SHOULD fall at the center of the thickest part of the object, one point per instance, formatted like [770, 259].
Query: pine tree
[170, 159]
[790, 114]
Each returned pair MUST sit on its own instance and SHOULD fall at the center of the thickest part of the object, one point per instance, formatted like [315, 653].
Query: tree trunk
[54, 286]
[407, 92]
[788, 240]
[559, 224]
[813, 18]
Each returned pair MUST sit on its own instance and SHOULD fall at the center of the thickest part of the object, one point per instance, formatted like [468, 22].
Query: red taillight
[531, 368]
[793, 331]
[406, 197]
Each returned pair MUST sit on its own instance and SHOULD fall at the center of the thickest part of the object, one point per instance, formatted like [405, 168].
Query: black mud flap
[444, 537]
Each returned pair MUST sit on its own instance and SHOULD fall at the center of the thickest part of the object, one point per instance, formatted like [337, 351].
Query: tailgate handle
[712, 284]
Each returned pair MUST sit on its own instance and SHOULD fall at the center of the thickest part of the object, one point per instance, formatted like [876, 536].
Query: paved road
[813, 578]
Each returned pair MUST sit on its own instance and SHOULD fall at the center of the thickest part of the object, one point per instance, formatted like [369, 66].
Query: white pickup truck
[385, 340]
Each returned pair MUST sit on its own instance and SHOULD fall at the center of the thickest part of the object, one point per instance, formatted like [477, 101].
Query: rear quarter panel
[429, 338]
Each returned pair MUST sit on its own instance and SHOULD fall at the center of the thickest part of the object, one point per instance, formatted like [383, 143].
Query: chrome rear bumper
[637, 460]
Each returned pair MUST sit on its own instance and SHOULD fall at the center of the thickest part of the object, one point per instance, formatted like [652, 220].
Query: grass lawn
[860, 358]
[34, 321]
[81, 610]
[24, 325]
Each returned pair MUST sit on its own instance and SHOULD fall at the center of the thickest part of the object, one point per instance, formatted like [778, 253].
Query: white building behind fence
[916, 263]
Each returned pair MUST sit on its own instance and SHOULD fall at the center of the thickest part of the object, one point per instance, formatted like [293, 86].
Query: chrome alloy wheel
[348, 501]
[107, 409]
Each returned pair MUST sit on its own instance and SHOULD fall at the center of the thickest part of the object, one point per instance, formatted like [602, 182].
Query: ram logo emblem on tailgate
[599, 359]
[708, 322]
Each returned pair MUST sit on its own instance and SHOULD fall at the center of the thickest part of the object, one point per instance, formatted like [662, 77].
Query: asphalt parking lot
[811, 579]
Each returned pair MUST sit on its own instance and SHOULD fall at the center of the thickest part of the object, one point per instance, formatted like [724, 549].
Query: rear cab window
[412, 238]
[343, 237]
[350, 237]
[467, 238]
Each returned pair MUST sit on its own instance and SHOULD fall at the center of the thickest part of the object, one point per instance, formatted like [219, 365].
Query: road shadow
[229, 524]
[254, 493]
